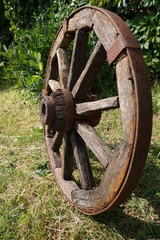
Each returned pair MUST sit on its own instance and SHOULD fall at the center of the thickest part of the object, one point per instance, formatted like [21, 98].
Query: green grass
[32, 206]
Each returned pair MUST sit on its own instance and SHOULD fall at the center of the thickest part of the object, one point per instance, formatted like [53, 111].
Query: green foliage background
[28, 28]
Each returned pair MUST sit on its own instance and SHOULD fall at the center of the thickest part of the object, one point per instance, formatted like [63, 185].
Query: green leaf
[146, 45]
[41, 66]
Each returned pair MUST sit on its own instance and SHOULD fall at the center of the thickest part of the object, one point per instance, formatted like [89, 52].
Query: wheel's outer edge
[143, 124]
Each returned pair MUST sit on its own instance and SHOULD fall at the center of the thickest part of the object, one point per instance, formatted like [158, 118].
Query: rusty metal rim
[132, 175]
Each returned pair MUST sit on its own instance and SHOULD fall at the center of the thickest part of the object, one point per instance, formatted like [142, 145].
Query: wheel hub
[57, 110]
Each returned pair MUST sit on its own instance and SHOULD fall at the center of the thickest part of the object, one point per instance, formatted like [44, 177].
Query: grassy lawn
[32, 206]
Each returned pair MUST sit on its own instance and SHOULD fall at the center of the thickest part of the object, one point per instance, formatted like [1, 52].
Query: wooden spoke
[63, 40]
[67, 158]
[56, 141]
[82, 161]
[63, 66]
[54, 85]
[94, 142]
[92, 68]
[78, 57]
[91, 107]
[111, 179]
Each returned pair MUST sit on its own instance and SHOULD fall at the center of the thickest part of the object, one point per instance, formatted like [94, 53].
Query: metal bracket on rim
[119, 45]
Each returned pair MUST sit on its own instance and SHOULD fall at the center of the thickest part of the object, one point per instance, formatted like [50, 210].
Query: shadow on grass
[149, 184]
[148, 188]
[130, 227]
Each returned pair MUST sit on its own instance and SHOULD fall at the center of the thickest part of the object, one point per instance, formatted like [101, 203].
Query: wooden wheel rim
[123, 50]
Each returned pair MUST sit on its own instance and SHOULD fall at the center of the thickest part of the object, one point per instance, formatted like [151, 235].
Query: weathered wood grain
[58, 97]
[78, 57]
[104, 30]
[126, 94]
[55, 159]
[82, 160]
[90, 72]
[67, 186]
[87, 108]
[110, 183]
[63, 66]
[81, 20]
[86, 198]
[62, 41]
[67, 158]
[94, 142]
[115, 172]
[59, 110]
[56, 141]
[54, 85]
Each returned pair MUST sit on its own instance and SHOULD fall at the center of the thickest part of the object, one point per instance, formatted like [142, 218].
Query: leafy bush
[146, 27]
[34, 25]
[5, 34]
[24, 60]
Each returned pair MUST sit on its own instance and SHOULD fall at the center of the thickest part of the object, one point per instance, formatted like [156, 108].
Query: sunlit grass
[32, 206]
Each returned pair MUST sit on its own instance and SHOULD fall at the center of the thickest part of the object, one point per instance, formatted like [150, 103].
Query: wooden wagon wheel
[69, 112]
